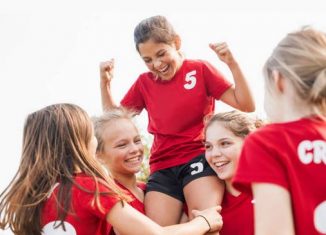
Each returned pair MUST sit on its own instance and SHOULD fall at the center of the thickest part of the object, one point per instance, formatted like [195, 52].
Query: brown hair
[55, 145]
[241, 124]
[301, 58]
[157, 28]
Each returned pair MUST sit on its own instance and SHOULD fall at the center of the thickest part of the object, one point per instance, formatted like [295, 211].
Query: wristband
[206, 222]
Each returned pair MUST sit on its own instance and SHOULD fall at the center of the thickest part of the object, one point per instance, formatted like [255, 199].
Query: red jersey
[291, 155]
[135, 202]
[176, 109]
[85, 218]
[238, 215]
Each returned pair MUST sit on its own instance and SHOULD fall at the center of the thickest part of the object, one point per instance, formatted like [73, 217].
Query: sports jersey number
[191, 80]
[198, 167]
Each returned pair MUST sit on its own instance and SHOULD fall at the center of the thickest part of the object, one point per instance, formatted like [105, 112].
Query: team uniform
[135, 202]
[85, 218]
[238, 214]
[293, 156]
[176, 109]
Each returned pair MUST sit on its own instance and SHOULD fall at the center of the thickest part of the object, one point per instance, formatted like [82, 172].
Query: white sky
[50, 50]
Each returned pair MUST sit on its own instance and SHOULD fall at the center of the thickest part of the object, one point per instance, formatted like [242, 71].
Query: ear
[278, 80]
[177, 42]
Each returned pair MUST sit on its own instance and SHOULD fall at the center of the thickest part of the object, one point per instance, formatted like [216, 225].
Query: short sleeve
[261, 161]
[134, 99]
[87, 199]
[216, 84]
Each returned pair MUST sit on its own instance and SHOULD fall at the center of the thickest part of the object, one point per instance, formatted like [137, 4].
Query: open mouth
[220, 165]
[134, 161]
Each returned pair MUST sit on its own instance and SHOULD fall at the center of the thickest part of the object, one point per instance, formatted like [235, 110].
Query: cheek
[208, 157]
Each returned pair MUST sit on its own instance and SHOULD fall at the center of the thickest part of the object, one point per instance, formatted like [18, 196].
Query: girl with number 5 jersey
[177, 93]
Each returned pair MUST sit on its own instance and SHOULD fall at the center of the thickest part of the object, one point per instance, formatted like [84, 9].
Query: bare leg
[203, 193]
[162, 208]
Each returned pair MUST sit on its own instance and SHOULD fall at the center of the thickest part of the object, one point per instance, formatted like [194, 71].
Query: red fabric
[176, 113]
[88, 219]
[238, 215]
[135, 202]
[292, 155]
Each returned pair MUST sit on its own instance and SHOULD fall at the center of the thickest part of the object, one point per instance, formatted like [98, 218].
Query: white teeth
[134, 159]
[163, 69]
[219, 164]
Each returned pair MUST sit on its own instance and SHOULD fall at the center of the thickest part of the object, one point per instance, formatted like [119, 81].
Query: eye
[138, 141]
[225, 143]
[121, 145]
[207, 146]
[161, 53]
[147, 61]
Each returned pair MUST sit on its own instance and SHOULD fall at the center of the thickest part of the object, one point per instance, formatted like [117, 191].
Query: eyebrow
[160, 51]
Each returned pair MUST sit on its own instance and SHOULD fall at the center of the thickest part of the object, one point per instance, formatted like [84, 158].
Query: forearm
[242, 91]
[196, 226]
[106, 97]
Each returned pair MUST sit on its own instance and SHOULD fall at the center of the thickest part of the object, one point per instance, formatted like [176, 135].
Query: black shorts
[171, 181]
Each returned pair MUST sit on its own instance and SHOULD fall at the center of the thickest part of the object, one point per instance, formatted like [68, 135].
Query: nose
[216, 152]
[157, 63]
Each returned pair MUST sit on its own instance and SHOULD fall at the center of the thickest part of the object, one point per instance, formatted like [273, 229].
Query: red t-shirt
[87, 218]
[291, 155]
[238, 215]
[176, 109]
[135, 202]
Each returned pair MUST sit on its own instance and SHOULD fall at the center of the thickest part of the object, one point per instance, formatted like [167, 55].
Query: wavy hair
[55, 147]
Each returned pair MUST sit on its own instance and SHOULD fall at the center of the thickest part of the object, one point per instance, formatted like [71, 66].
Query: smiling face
[222, 150]
[122, 147]
[162, 59]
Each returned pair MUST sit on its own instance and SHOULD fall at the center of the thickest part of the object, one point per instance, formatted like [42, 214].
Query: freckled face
[162, 59]
[123, 148]
[222, 150]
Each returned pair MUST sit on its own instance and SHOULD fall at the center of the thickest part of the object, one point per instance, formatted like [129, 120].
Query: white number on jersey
[191, 80]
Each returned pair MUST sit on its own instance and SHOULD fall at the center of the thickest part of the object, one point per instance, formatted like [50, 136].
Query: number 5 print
[191, 80]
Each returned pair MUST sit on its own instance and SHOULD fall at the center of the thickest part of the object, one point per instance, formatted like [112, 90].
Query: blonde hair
[301, 58]
[108, 116]
[55, 145]
[239, 123]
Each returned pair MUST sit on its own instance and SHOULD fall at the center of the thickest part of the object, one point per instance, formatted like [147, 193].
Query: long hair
[55, 146]
[301, 58]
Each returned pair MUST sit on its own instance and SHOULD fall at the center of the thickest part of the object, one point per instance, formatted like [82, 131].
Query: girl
[224, 136]
[121, 151]
[60, 187]
[177, 93]
[285, 163]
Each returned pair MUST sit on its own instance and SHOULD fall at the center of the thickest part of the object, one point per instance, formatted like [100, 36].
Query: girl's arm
[126, 220]
[239, 96]
[272, 209]
[106, 74]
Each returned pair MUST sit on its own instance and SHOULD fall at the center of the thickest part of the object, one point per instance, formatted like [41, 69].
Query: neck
[127, 180]
[231, 189]
[293, 111]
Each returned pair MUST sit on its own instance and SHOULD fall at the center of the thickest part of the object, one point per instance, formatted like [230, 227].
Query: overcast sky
[50, 50]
